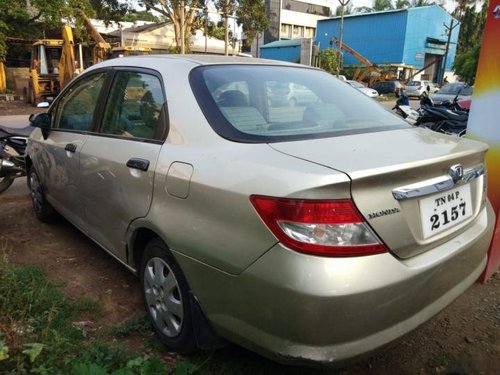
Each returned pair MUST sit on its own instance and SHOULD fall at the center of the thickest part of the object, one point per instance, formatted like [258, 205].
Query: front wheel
[166, 298]
[43, 210]
[5, 183]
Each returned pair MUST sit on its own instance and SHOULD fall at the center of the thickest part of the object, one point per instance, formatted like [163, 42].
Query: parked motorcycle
[448, 118]
[12, 150]
[403, 109]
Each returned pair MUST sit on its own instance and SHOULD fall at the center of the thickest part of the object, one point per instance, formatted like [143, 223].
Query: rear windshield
[262, 103]
[414, 83]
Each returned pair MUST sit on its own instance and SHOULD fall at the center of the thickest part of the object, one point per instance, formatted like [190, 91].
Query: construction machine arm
[102, 48]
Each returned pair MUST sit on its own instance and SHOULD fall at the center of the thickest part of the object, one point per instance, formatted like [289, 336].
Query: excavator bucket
[66, 65]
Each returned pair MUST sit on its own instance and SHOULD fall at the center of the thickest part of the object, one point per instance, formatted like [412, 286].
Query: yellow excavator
[44, 82]
[53, 62]
[370, 70]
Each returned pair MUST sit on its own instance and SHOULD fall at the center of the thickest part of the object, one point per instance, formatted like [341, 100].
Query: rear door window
[134, 106]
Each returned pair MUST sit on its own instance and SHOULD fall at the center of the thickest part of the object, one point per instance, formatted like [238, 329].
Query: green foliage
[380, 5]
[469, 40]
[38, 334]
[137, 325]
[329, 60]
[252, 16]
[347, 10]
[465, 64]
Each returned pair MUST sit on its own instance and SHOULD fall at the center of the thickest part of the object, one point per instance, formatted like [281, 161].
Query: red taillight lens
[327, 228]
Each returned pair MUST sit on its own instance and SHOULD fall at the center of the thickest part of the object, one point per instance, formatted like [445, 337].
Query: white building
[292, 19]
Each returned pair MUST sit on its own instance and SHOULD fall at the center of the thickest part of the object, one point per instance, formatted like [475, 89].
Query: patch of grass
[137, 325]
[39, 333]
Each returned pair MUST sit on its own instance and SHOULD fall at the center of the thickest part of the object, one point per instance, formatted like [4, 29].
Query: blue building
[413, 38]
[283, 50]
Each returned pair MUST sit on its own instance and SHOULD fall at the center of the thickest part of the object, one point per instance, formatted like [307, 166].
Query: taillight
[328, 228]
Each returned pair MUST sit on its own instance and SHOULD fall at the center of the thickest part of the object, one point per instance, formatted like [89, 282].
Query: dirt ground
[462, 339]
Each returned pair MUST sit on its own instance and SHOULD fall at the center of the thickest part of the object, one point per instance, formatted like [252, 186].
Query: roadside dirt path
[463, 339]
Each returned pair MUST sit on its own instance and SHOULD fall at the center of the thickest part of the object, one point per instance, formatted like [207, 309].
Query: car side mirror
[42, 121]
[43, 105]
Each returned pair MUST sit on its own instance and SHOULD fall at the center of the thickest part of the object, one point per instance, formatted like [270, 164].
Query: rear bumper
[412, 93]
[304, 309]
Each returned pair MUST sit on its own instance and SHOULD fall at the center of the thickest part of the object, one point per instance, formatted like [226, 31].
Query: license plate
[442, 211]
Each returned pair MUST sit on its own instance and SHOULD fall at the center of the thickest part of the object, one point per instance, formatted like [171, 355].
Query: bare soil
[462, 339]
[17, 107]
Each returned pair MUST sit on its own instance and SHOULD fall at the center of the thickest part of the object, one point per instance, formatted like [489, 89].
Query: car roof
[190, 59]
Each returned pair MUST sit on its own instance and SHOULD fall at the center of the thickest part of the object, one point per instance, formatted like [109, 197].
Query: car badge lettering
[456, 172]
[388, 211]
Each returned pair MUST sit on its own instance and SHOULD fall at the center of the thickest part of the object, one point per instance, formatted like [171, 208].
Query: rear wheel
[43, 210]
[166, 298]
[5, 183]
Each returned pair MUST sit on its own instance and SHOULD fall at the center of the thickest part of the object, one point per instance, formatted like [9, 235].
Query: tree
[348, 9]
[469, 39]
[380, 5]
[226, 8]
[252, 16]
[329, 60]
[465, 64]
[29, 19]
[402, 4]
[182, 13]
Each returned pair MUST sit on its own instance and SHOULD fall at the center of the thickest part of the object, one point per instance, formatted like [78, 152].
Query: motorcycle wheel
[5, 183]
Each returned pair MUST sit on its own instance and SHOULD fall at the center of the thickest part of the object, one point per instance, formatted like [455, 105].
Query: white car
[365, 90]
[418, 88]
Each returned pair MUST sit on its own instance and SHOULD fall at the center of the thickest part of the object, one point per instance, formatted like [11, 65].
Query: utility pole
[449, 30]
[343, 3]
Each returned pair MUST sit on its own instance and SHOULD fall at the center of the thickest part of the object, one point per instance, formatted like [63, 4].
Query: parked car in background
[365, 90]
[450, 91]
[311, 234]
[388, 87]
[419, 88]
[289, 94]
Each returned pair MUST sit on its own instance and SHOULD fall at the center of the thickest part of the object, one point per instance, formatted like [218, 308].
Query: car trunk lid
[415, 188]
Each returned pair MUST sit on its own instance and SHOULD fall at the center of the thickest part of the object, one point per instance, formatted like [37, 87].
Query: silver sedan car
[312, 234]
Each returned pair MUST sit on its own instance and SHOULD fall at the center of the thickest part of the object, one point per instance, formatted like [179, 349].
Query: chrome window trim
[436, 185]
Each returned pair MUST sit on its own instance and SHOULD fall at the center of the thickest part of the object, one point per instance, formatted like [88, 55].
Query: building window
[309, 32]
[298, 31]
[286, 31]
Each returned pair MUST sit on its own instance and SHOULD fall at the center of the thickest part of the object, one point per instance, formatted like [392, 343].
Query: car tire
[169, 311]
[5, 183]
[43, 210]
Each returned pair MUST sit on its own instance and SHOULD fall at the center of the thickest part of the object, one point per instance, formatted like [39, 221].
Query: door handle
[137, 163]
[71, 147]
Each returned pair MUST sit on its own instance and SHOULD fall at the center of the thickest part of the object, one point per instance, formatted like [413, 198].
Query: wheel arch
[140, 238]
[206, 338]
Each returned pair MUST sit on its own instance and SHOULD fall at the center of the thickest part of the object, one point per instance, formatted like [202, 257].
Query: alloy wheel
[163, 297]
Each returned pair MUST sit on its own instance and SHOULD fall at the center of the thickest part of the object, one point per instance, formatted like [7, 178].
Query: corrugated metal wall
[424, 23]
[379, 37]
[290, 53]
[396, 37]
